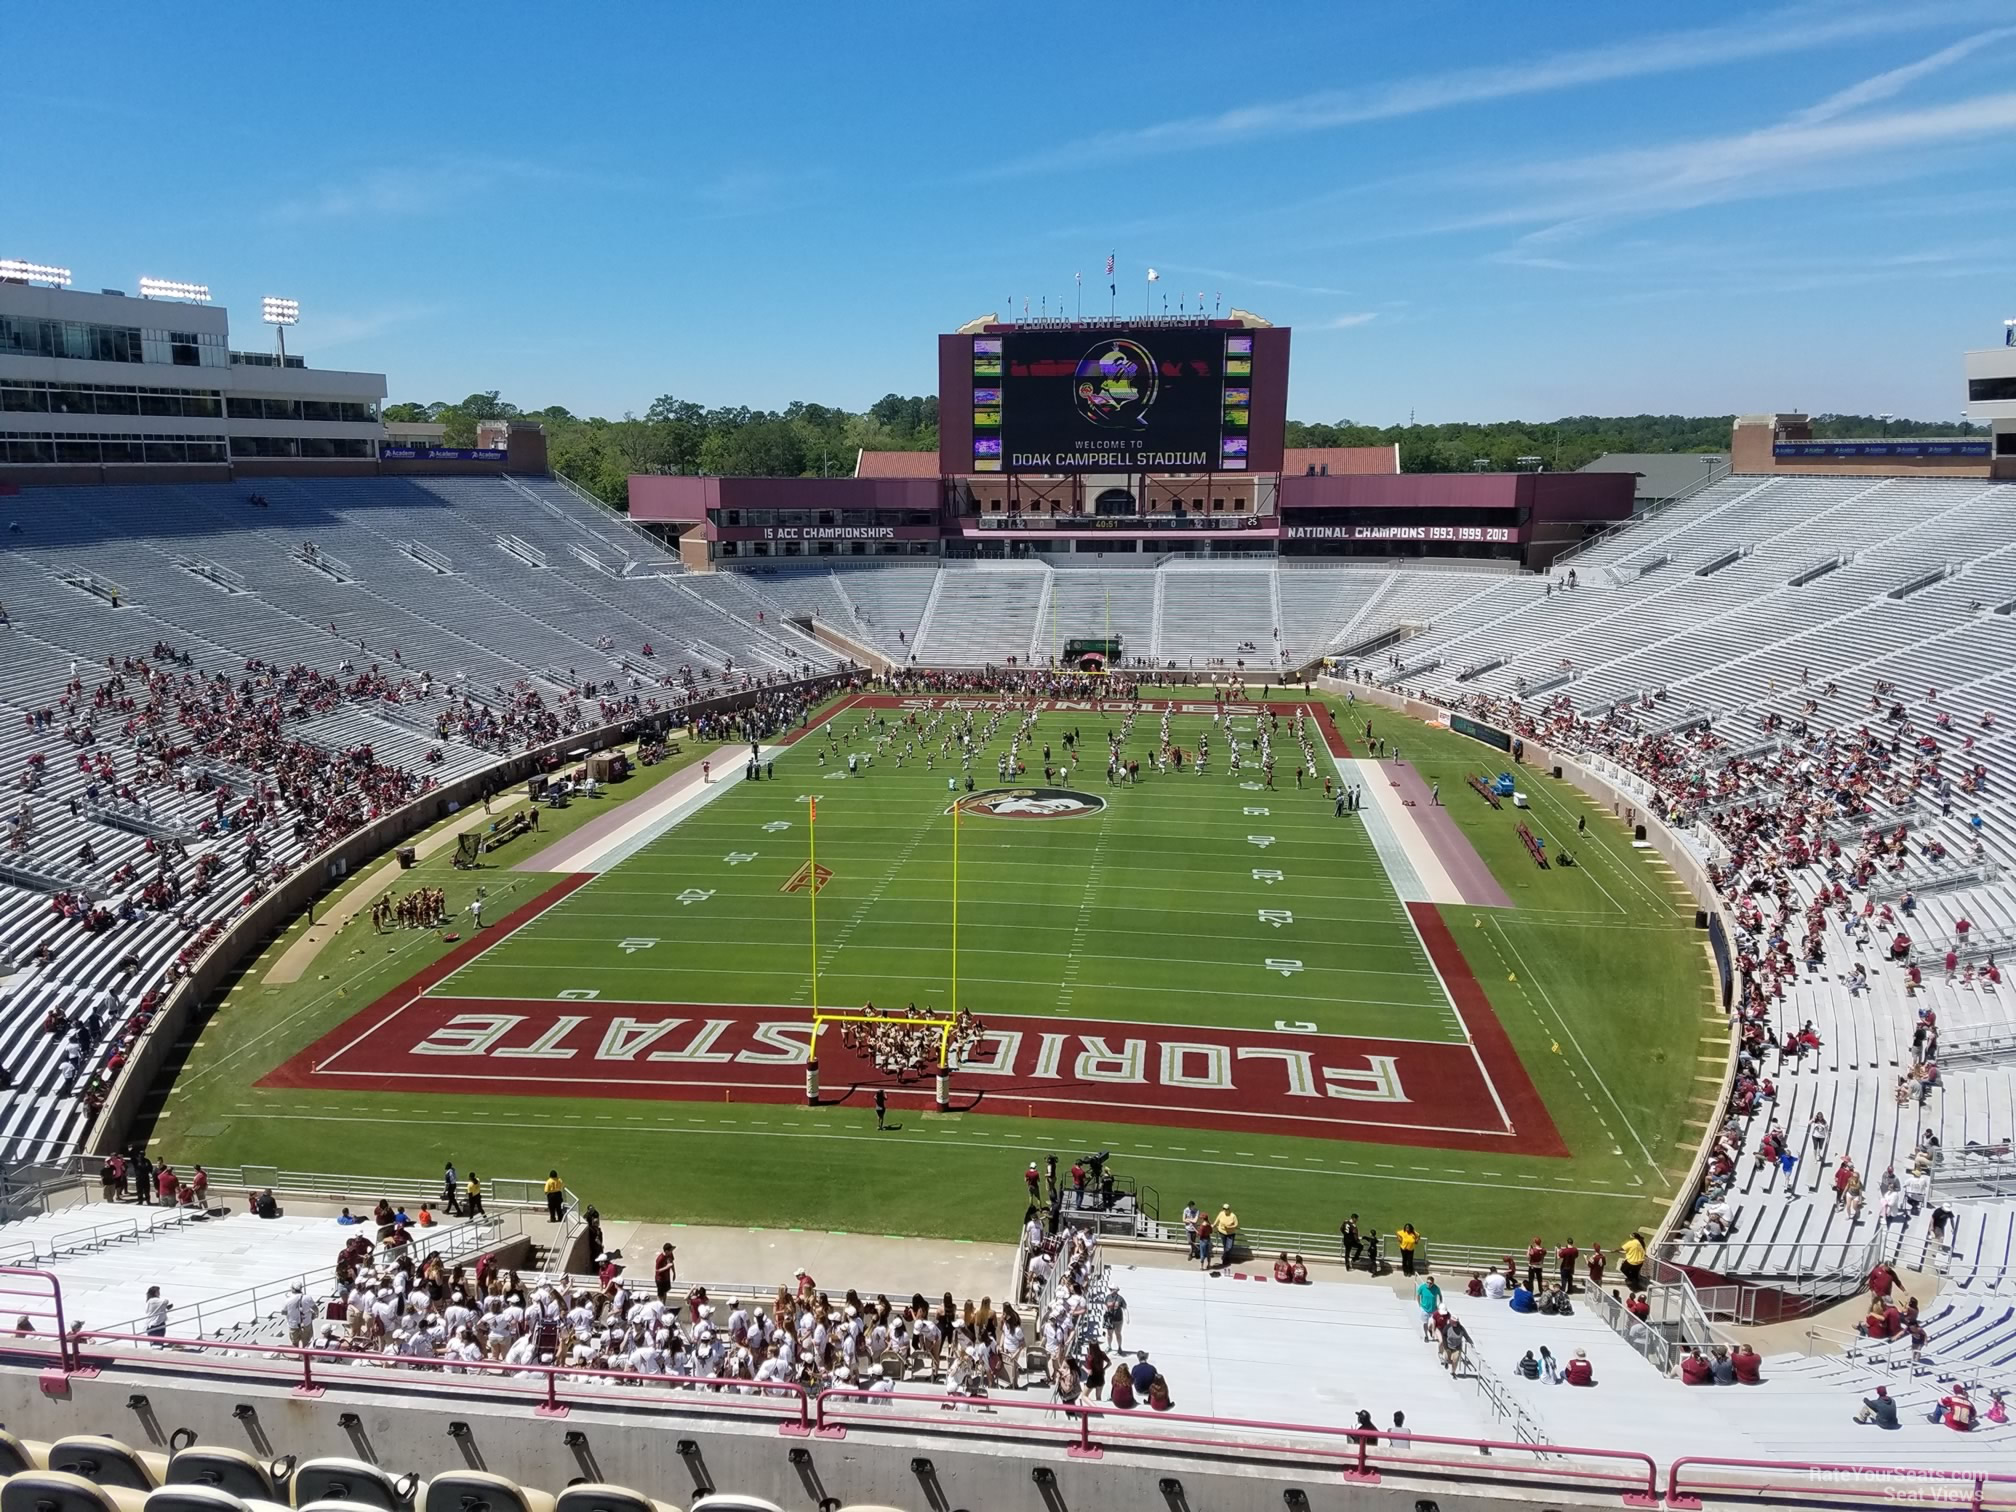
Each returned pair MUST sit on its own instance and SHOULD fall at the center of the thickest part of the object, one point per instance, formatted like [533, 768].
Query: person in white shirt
[300, 1314]
[155, 1312]
[1494, 1285]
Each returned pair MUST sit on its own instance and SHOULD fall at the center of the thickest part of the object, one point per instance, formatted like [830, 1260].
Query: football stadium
[923, 988]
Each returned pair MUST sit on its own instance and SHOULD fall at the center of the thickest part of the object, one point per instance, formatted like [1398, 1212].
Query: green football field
[1147, 909]
[1216, 982]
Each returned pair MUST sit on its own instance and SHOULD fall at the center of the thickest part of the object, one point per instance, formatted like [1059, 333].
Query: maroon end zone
[1285, 1080]
[1266, 1081]
[1325, 717]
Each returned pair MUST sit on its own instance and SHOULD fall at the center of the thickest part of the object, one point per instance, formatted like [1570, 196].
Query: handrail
[178, 1355]
[1322, 1443]
[1707, 480]
[456, 1245]
[1085, 1430]
[1826, 1482]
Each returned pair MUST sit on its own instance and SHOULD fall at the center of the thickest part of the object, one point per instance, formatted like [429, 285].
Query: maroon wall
[671, 500]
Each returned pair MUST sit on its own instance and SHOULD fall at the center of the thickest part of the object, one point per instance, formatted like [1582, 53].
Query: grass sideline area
[1145, 911]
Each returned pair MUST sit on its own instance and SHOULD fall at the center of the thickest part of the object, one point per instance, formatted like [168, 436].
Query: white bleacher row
[1192, 616]
[202, 569]
[1919, 568]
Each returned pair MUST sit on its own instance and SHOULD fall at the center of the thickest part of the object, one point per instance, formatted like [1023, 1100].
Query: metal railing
[453, 1245]
[1833, 1484]
[1709, 478]
[1085, 1431]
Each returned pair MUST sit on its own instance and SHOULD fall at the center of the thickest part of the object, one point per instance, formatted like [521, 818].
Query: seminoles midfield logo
[1032, 803]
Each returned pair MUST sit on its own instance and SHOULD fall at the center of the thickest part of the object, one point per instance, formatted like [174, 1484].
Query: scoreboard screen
[1121, 399]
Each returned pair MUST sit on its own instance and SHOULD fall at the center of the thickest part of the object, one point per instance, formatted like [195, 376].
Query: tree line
[1566, 444]
[820, 441]
[679, 436]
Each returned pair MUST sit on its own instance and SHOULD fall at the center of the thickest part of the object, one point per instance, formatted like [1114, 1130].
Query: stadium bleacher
[424, 598]
[1721, 653]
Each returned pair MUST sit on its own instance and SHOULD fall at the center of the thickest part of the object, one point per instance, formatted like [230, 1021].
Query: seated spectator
[1284, 1268]
[1121, 1390]
[1725, 1373]
[1695, 1369]
[1528, 1366]
[1580, 1372]
[1955, 1410]
[1494, 1286]
[1299, 1273]
[1881, 1409]
[346, 1217]
[1158, 1394]
[1748, 1365]
[1475, 1286]
[1522, 1300]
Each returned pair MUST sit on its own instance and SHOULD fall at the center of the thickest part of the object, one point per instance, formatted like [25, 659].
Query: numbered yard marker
[1286, 968]
[1263, 841]
[580, 994]
[1257, 813]
[634, 943]
[1254, 787]
[1276, 916]
[1267, 875]
[776, 826]
[1294, 1026]
[694, 895]
[739, 858]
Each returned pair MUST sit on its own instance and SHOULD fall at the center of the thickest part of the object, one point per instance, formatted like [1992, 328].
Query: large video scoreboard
[1161, 398]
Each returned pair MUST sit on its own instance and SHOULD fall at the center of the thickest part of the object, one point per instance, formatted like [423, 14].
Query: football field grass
[1215, 981]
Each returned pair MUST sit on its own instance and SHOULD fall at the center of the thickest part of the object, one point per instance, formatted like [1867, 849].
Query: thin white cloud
[1347, 322]
[1895, 81]
[1600, 189]
[1224, 276]
[1803, 29]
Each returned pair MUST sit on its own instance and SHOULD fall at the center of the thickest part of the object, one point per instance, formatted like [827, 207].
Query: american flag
[1109, 264]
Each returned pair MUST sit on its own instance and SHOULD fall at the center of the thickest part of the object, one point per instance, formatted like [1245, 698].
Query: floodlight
[173, 288]
[17, 270]
[277, 311]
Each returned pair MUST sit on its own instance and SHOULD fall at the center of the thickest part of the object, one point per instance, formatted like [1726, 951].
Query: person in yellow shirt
[1631, 1255]
[1226, 1227]
[472, 1194]
[556, 1196]
[1409, 1238]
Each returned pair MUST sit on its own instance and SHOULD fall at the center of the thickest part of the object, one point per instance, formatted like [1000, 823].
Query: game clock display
[1125, 400]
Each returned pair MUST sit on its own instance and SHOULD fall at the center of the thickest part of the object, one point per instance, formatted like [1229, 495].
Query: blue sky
[1465, 211]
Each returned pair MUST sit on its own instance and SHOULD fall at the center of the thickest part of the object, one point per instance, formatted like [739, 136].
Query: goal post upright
[812, 888]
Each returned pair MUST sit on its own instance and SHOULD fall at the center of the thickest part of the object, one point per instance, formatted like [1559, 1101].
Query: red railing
[1795, 1480]
[787, 1404]
[1086, 1431]
[1357, 1454]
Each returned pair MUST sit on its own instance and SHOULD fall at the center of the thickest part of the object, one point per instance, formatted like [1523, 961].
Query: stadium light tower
[1885, 418]
[19, 270]
[280, 314]
[2009, 333]
[174, 288]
